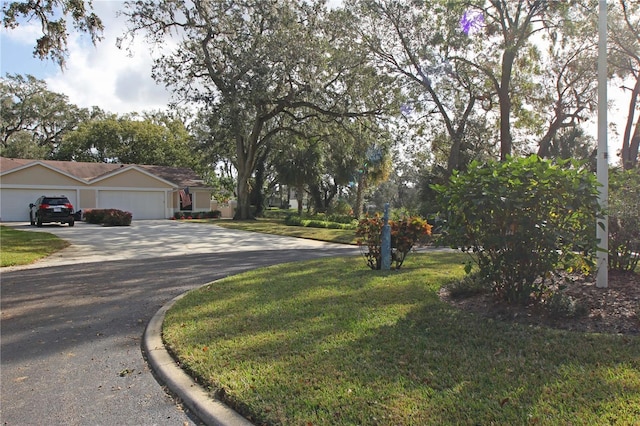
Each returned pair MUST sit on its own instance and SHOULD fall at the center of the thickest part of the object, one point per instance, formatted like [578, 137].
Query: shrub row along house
[148, 192]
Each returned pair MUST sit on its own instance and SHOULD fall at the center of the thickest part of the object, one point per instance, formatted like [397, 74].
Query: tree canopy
[259, 67]
[160, 140]
[33, 119]
[38, 123]
[299, 93]
[523, 65]
[52, 16]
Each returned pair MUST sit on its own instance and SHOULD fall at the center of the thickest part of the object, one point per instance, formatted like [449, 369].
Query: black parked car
[51, 209]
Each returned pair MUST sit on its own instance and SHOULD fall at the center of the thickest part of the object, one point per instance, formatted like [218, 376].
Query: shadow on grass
[331, 342]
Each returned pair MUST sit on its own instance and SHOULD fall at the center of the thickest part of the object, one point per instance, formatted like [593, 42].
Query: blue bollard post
[385, 245]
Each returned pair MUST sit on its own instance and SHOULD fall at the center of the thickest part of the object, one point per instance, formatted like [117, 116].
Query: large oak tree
[254, 62]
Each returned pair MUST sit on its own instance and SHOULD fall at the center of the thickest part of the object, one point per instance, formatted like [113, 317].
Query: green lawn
[332, 342]
[24, 247]
[277, 227]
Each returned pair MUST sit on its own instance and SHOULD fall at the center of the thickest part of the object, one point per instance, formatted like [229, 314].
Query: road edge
[168, 373]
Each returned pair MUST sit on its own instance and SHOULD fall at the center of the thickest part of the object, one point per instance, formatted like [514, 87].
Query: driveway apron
[71, 325]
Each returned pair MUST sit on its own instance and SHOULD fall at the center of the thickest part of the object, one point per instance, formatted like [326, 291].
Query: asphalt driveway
[71, 325]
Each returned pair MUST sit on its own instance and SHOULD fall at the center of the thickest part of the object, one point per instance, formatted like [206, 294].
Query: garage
[141, 204]
[15, 202]
[147, 191]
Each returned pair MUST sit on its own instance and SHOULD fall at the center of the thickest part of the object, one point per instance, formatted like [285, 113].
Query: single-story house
[148, 192]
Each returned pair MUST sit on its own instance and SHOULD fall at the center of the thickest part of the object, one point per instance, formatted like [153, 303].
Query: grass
[277, 227]
[369, 347]
[24, 247]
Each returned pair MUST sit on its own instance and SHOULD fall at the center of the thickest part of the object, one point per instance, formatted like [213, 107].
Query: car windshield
[55, 201]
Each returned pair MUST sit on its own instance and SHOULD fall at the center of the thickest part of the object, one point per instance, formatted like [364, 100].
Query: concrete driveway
[71, 324]
[153, 239]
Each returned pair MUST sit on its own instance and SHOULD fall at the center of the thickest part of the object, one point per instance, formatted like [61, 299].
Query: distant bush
[116, 217]
[624, 219]
[342, 208]
[341, 218]
[108, 217]
[95, 216]
[319, 221]
[275, 213]
[212, 214]
[293, 220]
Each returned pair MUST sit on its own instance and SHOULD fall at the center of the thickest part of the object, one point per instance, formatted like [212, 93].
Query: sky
[100, 75]
[118, 82]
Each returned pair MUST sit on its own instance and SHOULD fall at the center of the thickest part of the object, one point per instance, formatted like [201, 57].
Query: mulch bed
[615, 309]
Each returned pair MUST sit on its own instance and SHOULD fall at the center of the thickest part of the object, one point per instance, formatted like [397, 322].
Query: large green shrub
[624, 219]
[522, 219]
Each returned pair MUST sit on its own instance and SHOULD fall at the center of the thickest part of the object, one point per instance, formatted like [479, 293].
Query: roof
[180, 176]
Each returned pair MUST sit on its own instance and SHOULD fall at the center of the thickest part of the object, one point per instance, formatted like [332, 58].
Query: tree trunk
[288, 197]
[257, 193]
[243, 211]
[299, 198]
[453, 163]
[247, 148]
[629, 156]
[246, 165]
[362, 183]
[544, 148]
[316, 196]
[329, 196]
[322, 197]
[505, 103]
[457, 136]
[634, 147]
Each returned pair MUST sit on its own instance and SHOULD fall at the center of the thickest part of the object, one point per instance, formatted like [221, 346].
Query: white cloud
[106, 76]
[25, 33]
[100, 75]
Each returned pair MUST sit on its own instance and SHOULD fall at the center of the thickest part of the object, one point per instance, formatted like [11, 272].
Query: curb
[207, 409]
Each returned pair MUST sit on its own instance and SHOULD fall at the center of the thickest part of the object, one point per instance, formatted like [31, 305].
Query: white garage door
[141, 204]
[14, 203]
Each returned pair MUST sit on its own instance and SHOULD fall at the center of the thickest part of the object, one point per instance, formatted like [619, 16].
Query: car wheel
[38, 221]
[72, 222]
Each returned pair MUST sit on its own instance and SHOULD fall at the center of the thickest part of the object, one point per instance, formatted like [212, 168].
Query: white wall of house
[227, 210]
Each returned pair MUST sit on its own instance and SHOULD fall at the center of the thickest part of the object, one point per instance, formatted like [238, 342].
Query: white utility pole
[602, 233]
